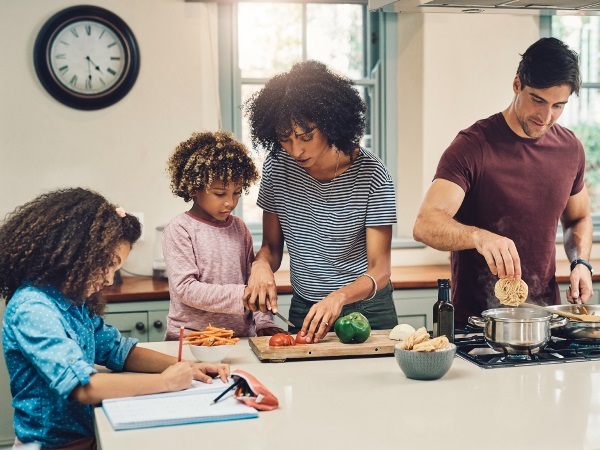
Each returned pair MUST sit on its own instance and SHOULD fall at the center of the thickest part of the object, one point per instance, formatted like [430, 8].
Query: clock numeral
[74, 32]
[60, 56]
[101, 34]
[88, 30]
[115, 58]
[73, 81]
[102, 81]
[111, 45]
[65, 43]
[88, 83]
[63, 69]
[112, 72]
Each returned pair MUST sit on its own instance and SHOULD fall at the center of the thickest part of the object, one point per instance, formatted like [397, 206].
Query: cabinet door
[7, 436]
[415, 306]
[130, 324]
[157, 324]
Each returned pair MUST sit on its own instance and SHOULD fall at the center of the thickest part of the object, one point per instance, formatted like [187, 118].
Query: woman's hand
[205, 372]
[321, 317]
[178, 376]
[261, 292]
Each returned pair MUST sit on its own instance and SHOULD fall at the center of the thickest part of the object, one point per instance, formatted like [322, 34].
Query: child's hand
[205, 371]
[177, 377]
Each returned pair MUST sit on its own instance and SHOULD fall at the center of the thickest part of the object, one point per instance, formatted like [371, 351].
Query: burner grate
[472, 347]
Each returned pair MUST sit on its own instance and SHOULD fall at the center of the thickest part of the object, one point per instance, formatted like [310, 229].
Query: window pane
[582, 115]
[270, 38]
[582, 35]
[251, 212]
[341, 46]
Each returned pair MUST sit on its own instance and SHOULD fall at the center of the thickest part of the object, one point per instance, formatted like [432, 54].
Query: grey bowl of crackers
[424, 358]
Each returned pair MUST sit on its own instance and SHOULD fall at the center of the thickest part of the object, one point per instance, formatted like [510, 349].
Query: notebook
[176, 408]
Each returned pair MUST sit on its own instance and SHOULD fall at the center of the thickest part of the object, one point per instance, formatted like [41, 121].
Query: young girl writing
[207, 250]
[56, 254]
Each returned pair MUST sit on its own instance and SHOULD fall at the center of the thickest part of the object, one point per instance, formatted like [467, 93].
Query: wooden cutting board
[377, 344]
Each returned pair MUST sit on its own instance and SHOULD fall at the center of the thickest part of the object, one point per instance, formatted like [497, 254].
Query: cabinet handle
[158, 324]
[140, 326]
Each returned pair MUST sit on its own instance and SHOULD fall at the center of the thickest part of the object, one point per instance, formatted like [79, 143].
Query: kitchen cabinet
[7, 435]
[415, 306]
[144, 320]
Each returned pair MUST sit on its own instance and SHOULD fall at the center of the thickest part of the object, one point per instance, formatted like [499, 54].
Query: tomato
[281, 340]
[277, 340]
[301, 339]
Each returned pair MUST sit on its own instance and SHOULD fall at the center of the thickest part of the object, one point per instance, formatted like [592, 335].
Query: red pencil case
[253, 393]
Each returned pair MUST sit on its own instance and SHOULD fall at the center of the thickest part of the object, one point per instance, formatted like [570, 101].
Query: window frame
[546, 31]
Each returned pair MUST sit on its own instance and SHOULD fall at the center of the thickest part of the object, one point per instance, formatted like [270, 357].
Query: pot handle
[477, 321]
[558, 321]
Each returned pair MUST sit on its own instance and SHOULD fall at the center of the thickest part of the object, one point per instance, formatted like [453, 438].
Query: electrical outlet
[140, 216]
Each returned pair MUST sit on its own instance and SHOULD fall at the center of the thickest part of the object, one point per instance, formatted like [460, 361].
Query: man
[503, 184]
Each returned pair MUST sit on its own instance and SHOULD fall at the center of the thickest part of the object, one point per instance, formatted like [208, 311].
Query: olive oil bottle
[443, 312]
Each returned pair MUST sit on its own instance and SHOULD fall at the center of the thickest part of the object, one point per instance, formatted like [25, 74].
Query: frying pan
[574, 329]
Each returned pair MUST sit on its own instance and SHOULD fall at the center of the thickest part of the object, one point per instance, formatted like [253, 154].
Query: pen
[181, 329]
[238, 381]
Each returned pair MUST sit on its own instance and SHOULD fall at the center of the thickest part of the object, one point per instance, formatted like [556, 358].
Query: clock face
[86, 57]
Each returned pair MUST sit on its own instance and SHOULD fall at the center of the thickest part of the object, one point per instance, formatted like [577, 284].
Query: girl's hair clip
[120, 212]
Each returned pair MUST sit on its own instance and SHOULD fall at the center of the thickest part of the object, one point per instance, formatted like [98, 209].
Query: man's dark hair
[549, 62]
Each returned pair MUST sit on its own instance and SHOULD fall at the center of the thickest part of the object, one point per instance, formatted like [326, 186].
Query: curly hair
[66, 238]
[206, 157]
[309, 92]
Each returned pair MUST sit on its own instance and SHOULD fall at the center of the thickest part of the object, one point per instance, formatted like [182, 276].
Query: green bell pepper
[353, 328]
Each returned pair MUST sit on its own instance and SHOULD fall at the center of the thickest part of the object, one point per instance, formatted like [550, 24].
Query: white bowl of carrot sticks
[213, 344]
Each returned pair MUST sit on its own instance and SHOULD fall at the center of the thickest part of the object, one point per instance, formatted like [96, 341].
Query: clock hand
[95, 66]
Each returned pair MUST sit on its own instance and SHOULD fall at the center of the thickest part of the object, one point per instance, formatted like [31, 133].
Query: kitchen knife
[285, 320]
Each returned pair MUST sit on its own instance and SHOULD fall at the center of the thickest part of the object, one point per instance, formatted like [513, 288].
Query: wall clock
[86, 57]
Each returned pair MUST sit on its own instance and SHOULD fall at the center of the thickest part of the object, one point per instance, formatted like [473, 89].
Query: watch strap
[584, 262]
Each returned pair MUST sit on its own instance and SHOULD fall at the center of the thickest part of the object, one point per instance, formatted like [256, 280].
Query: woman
[329, 200]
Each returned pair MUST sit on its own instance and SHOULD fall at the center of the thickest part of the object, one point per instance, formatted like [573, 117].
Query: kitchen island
[368, 403]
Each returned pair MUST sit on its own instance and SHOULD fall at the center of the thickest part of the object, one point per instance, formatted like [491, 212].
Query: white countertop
[368, 403]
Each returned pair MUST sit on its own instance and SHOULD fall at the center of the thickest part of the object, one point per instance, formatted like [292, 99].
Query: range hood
[539, 7]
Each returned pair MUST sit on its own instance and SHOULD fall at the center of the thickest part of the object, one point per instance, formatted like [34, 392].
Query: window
[258, 40]
[582, 34]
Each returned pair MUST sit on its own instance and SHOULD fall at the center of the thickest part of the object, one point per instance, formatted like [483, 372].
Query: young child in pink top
[207, 250]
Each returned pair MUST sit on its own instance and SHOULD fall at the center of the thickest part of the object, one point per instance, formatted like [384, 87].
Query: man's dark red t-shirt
[515, 187]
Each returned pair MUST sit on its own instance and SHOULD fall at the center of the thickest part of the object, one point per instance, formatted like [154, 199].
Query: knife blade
[285, 320]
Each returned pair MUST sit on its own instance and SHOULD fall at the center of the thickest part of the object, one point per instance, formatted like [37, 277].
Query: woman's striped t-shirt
[324, 224]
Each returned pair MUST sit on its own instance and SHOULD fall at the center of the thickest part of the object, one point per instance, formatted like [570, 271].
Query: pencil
[238, 381]
[180, 343]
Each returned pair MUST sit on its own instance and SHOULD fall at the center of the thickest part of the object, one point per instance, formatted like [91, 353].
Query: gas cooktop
[471, 346]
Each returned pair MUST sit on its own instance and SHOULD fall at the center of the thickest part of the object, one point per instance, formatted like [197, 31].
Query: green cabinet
[144, 320]
[415, 306]
[7, 435]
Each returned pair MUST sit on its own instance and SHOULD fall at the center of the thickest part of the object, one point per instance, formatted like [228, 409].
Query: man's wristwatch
[584, 262]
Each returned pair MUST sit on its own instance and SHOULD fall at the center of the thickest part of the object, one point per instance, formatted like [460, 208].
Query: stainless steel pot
[574, 329]
[517, 331]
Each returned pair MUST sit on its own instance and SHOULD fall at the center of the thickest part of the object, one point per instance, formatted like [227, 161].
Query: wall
[121, 150]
